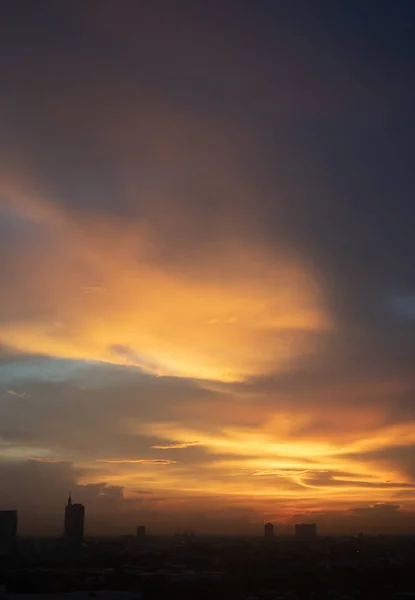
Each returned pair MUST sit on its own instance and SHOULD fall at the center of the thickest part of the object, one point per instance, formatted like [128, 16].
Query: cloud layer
[206, 242]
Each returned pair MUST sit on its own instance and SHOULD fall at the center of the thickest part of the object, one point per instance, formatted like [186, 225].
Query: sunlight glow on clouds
[158, 318]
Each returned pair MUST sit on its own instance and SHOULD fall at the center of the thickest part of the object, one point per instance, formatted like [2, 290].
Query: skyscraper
[74, 522]
[269, 530]
[305, 532]
[8, 528]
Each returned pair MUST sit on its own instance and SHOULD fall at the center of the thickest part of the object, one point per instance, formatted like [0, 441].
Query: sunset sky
[207, 254]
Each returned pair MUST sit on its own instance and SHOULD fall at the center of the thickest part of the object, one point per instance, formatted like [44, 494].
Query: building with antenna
[74, 522]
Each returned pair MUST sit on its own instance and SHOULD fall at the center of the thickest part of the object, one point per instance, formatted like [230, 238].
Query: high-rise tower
[74, 522]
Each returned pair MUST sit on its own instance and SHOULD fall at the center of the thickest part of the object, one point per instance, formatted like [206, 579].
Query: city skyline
[207, 309]
[74, 526]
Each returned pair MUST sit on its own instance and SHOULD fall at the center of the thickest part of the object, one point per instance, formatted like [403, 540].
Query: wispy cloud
[143, 461]
[175, 445]
[47, 459]
[282, 472]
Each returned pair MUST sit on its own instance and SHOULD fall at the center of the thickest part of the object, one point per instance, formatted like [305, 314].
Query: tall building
[305, 532]
[8, 528]
[74, 522]
[269, 530]
[141, 531]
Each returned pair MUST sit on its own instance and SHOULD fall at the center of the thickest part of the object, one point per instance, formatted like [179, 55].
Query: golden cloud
[102, 293]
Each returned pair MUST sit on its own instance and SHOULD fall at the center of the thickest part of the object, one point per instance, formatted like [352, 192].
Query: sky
[207, 302]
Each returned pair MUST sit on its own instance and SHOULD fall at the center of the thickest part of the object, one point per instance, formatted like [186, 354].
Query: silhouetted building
[141, 531]
[269, 530]
[8, 528]
[74, 522]
[306, 532]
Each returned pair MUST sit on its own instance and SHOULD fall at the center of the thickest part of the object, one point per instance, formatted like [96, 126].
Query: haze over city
[207, 251]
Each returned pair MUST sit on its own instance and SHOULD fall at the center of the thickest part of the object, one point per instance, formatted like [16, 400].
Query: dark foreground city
[187, 567]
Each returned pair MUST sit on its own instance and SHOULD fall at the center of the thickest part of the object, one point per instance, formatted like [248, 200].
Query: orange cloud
[176, 445]
[238, 311]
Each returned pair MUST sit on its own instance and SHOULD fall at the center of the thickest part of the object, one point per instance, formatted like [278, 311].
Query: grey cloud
[60, 415]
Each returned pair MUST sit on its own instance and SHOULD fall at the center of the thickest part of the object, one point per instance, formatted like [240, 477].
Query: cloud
[47, 459]
[144, 461]
[381, 508]
[398, 455]
[280, 444]
[175, 445]
[348, 480]
[221, 513]
[151, 336]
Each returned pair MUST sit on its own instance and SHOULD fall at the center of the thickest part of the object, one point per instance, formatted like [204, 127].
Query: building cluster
[73, 525]
[304, 532]
[75, 521]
